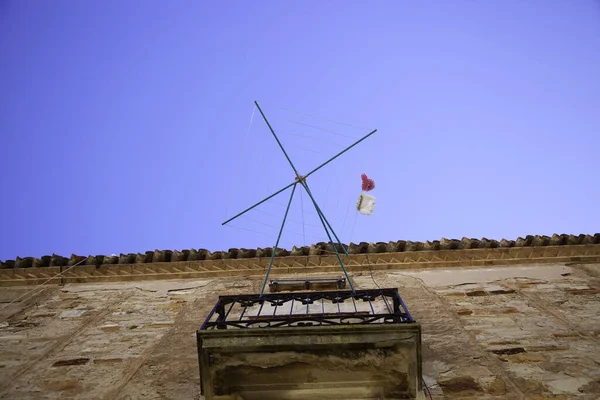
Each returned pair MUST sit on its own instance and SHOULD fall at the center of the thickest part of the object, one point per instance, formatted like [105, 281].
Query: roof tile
[317, 249]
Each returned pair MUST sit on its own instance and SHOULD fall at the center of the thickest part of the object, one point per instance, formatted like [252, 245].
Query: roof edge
[313, 250]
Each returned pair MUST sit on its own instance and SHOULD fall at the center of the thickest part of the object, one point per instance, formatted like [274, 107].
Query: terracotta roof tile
[315, 249]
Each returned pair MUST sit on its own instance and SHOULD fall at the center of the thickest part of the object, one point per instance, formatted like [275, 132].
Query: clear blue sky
[122, 123]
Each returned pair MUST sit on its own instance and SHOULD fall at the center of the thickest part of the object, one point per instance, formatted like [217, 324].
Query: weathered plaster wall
[507, 332]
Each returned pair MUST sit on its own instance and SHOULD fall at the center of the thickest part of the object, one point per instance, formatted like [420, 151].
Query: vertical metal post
[303, 183]
[322, 215]
[277, 242]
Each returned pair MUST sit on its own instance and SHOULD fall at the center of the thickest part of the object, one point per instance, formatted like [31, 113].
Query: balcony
[330, 344]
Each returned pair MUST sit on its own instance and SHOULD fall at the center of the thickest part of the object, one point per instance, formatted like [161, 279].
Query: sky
[131, 126]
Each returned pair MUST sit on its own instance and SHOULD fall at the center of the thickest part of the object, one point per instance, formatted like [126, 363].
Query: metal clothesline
[302, 181]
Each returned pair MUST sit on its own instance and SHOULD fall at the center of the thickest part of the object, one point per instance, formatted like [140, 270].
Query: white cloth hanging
[366, 204]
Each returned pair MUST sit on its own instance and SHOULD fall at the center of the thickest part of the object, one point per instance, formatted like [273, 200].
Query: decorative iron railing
[279, 310]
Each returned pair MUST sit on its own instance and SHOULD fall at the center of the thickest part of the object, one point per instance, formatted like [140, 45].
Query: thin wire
[264, 212]
[353, 226]
[288, 231]
[247, 229]
[371, 271]
[269, 235]
[318, 117]
[288, 220]
[240, 160]
[313, 137]
[260, 222]
[270, 167]
[303, 234]
[302, 213]
[305, 210]
[38, 286]
[327, 194]
[312, 151]
[346, 216]
[261, 164]
[322, 129]
[320, 238]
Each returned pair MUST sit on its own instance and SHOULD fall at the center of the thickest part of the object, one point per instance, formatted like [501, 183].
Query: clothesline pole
[277, 242]
[299, 179]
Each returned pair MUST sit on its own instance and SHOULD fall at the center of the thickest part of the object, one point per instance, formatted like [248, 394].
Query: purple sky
[122, 123]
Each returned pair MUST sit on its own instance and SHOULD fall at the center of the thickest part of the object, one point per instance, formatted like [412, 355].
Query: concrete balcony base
[376, 361]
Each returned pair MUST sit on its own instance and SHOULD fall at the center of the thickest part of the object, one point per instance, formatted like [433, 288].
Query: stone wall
[497, 332]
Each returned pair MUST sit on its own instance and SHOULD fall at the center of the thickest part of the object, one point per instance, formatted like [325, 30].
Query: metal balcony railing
[280, 310]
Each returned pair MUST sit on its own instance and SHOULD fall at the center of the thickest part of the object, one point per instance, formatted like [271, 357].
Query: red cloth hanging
[367, 183]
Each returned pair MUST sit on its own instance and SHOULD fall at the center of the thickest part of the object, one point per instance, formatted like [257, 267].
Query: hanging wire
[302, 213]
[319, 238]
[247, 229]
[346, 215]
[371, 270]
[270, 182]
[309, 212]
[260, 222]
[313, 151]
[303, 233]
[313, 138]
[322, 129]
[289, 219]
[353, 225]
[240, 160]
[316, 116]
[327, 194]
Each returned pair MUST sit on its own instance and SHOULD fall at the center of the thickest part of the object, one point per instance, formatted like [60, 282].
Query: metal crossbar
[280, 310]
